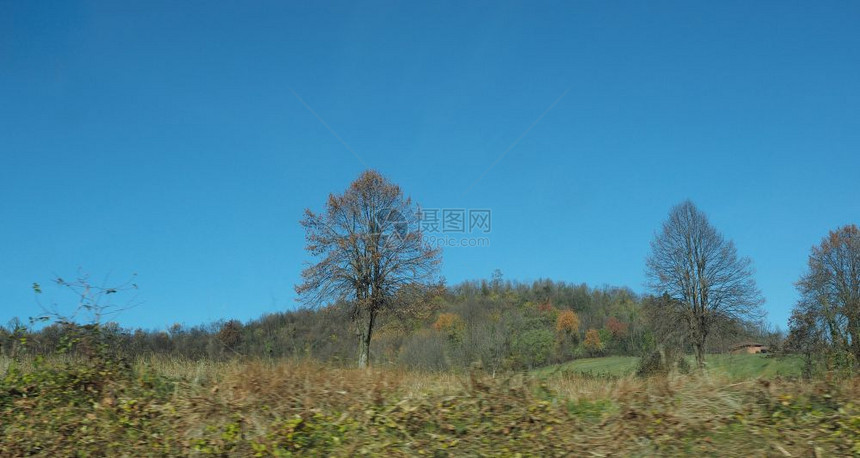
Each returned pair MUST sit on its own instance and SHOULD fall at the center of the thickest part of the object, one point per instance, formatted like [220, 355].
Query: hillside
[504, 325]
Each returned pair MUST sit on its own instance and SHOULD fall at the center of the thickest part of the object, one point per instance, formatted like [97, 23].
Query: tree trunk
[700, 336]
[364, 341]
[700, 355]
[807, 364]
[854, 325]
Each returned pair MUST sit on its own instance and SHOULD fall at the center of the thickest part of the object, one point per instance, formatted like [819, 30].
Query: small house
[749, 348]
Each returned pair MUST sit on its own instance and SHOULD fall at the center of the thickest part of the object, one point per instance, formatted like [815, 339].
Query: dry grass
[265, 408]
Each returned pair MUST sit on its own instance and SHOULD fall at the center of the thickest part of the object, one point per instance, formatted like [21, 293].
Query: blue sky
[166, 138]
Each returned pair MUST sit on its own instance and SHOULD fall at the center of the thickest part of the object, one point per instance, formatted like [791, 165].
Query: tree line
[501, 324]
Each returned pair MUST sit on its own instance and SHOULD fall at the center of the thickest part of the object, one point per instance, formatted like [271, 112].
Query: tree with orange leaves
[592, 341]
[567, 322]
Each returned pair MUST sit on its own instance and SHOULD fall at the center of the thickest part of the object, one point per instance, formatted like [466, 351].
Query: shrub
[230, 334]
[662, 361]
[534, 347]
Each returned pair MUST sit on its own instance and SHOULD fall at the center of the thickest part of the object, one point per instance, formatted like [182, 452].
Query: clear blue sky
[164, 138]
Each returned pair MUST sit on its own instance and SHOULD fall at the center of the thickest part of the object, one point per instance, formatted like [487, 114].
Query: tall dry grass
[165, 406]
[675, 413]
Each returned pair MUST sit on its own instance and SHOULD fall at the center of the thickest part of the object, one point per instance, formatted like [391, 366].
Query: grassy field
[615, 366]
[164, 407]
[734, 367]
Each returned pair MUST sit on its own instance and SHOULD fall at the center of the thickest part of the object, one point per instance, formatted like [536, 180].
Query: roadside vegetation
[168, 407]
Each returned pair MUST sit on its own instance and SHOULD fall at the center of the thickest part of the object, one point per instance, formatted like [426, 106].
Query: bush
[534, 347]
[662, 362]
[424, 351]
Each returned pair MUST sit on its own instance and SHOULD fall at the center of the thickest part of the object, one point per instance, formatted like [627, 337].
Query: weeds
[156, 407]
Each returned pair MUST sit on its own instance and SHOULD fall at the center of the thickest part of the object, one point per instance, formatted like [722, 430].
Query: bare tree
[370, 251]
[830, 291]
[693, 264]
[93, 299]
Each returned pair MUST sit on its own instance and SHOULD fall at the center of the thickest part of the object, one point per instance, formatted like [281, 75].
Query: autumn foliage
[230, 334]
[592, 340]
[616, 327]
[546, 307]
[447, 322]
[567, 321]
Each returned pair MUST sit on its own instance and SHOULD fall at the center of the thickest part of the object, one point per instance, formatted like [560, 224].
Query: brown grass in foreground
[162, 407]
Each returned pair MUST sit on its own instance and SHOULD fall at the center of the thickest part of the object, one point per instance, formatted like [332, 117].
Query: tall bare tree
[830, 291]
[370, 251]
[694, 265]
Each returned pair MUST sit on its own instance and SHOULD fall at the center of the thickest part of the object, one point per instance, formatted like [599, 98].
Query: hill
[503, 325]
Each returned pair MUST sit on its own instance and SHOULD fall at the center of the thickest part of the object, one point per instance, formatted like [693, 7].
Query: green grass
[615, 366]
[732, 366]
[752, 366]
